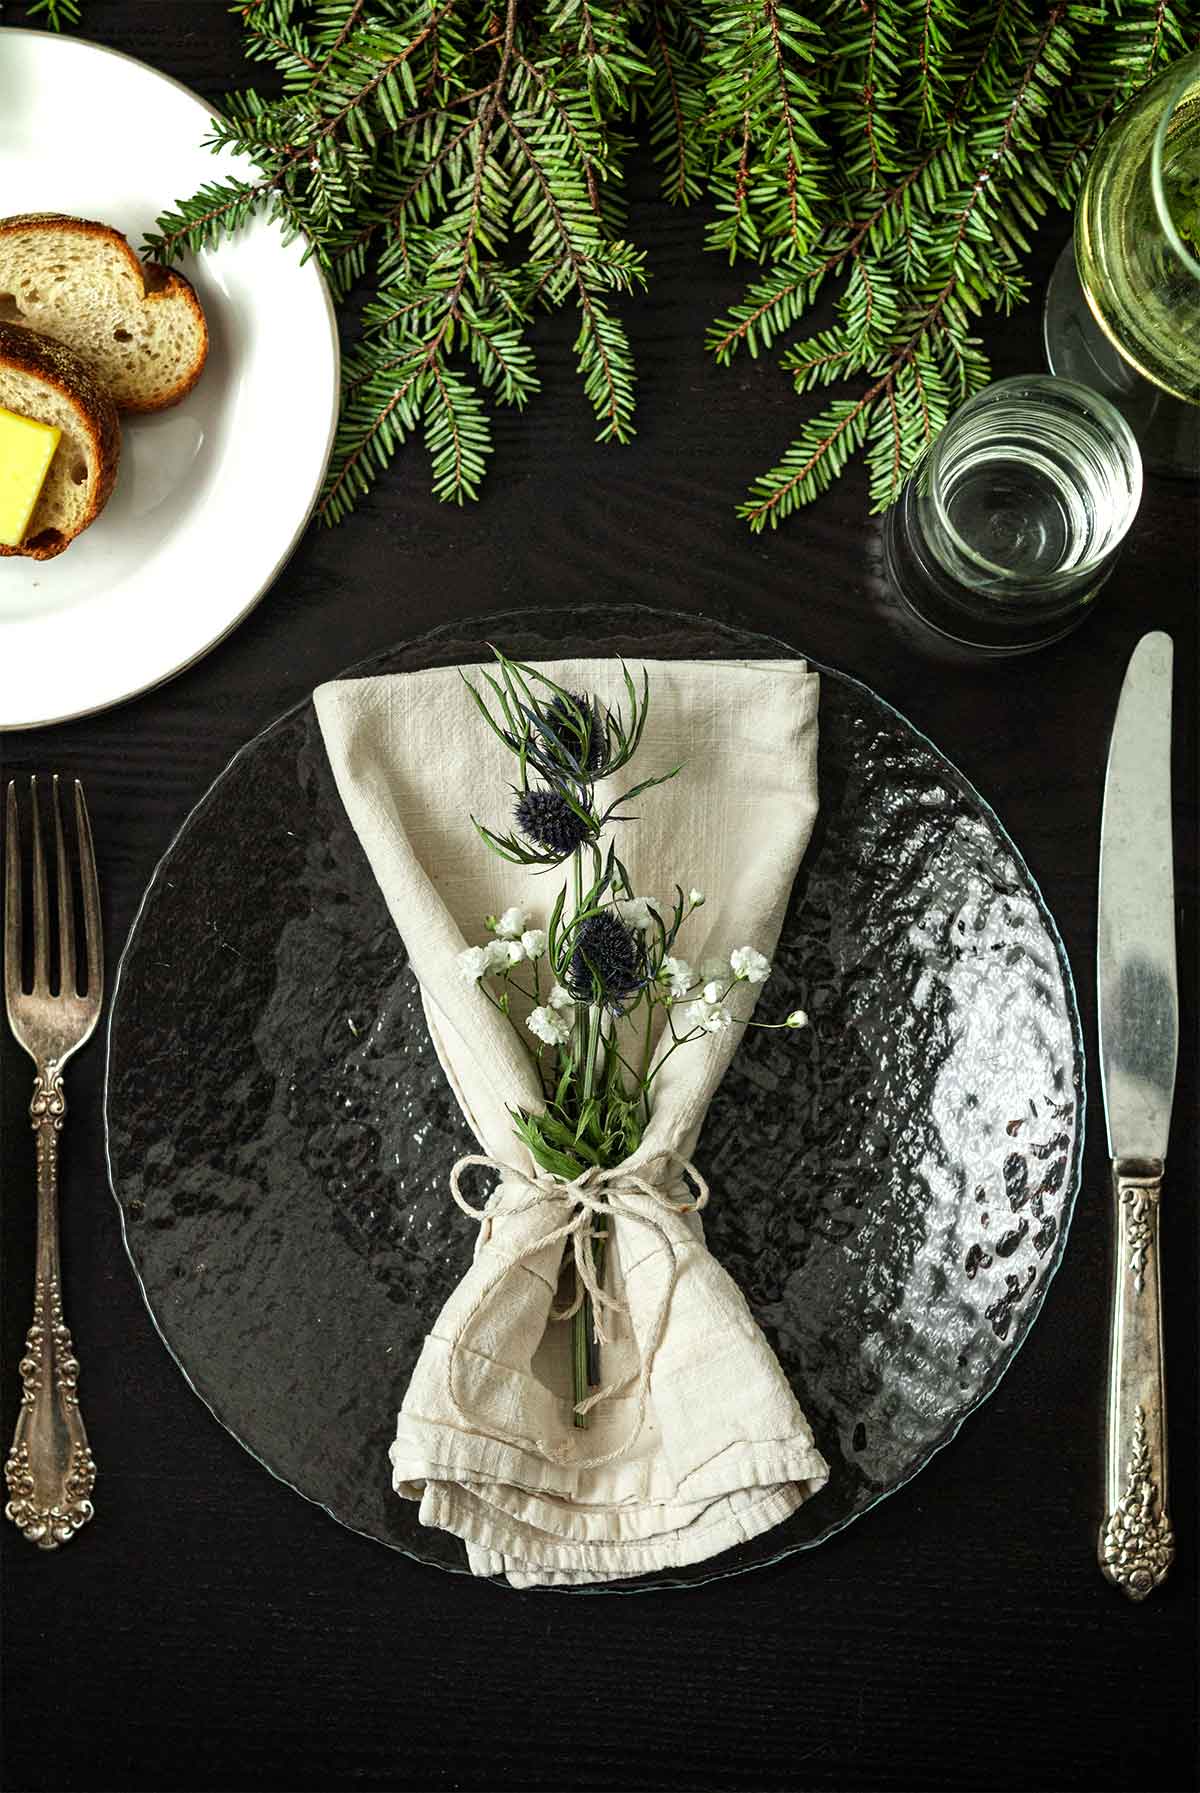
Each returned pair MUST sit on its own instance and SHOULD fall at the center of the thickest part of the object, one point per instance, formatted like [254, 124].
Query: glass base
[1167, 429]
[972, 619]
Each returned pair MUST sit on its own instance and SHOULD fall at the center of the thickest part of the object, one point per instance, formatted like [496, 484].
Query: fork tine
[12, 900]
[66, 905]
[41, 902]
[91, 900]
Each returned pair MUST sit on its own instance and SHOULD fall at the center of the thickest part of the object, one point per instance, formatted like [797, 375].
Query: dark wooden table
[212, 1630]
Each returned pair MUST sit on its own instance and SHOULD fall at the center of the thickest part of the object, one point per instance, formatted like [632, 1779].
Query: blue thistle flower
[607, 951]
[561, 729]
[546, 818]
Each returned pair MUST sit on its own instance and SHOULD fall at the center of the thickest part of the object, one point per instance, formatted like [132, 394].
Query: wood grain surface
[212, 1630]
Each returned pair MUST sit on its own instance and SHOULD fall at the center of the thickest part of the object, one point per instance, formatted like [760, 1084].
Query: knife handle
[1137, 1546]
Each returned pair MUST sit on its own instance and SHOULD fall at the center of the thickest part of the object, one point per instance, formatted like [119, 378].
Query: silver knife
[1139, 1036]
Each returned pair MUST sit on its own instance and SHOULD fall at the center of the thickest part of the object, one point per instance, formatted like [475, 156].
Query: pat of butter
[26, 451]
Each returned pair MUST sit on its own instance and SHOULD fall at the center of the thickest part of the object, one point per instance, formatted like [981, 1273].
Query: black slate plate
[893, 1187]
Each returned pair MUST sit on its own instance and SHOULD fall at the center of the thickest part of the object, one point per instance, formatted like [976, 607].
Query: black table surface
[210, 1629]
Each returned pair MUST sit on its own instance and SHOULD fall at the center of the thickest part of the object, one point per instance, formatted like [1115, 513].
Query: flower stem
[593, 1043]
[587, 1350]
[577, 869]
[579, 1359]
[581, 1324]
[644, 1074]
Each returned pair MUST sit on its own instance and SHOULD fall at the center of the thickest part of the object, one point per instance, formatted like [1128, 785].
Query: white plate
[212, 495]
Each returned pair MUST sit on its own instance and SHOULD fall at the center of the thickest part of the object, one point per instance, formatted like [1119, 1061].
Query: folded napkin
[701, 1444]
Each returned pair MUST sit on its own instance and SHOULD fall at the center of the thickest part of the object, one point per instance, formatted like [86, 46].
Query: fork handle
[50, 1470]
[1137, 1545]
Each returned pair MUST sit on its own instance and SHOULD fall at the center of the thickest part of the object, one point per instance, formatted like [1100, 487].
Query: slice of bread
[138, 326]
[45, 380]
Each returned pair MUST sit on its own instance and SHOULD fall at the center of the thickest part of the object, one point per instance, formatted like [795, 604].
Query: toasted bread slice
[45, 380]
[139, 327]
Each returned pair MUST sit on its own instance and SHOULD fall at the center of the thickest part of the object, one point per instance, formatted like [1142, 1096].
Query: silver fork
[50, 1470]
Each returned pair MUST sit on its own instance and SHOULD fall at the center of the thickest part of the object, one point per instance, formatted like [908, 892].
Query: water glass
[1013, 520]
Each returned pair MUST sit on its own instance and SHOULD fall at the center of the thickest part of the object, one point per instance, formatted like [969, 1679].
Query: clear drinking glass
[1123, 305]
[1014, 518]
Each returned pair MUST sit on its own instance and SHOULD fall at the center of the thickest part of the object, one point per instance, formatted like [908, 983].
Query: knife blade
[1138, 1000]
[1137, 989]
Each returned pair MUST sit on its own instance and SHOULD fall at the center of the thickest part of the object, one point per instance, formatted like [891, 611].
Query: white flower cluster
[639, 913]
[554, 1020]
[550, 1026]
[678, 976]
[635, 913]
[747, 963]
[716, 978]
[515, 942]
[709, 1014]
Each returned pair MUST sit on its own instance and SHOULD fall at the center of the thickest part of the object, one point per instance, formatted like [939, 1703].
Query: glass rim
[1107, 415]
[1190, 75]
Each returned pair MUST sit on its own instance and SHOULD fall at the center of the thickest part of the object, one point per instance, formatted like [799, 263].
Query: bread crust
[29, 352]
[160, 285]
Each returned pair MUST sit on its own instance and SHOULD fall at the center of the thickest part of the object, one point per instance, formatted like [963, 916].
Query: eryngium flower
[546, 818]
[605, 947]
[566, 731]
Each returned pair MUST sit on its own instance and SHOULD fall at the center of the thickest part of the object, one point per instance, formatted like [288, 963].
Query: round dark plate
[891, 1189]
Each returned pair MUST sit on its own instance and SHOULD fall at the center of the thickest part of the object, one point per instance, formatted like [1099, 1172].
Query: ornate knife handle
[1137, 1546]
[50, 1471]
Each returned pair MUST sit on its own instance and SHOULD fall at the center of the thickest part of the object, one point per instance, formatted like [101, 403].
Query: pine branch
[601, 346]
[456, 167]
[945, 239]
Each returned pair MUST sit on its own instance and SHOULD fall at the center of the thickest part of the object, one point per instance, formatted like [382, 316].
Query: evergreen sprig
[57, 14]
[465, 163]
[459, 166]
[953, 130]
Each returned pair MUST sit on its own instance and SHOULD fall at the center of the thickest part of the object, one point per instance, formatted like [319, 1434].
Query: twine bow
[592, 1193]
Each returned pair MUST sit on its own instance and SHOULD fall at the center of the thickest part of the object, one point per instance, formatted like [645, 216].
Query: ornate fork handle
[50, 1471]
[1137, 1545]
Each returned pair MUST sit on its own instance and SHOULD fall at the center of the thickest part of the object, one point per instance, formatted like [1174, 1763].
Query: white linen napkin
[705, 1446]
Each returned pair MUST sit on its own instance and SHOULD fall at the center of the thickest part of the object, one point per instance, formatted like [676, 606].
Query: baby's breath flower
[559, 998]
[712, 1017]
[502, 955]
[509, 925]
[473, 963]
[695, 898]
[635, 913]
[549, 1026]
[713, 992]
[750, 964]
[679, 975]
[534, 942]
[797, 1018]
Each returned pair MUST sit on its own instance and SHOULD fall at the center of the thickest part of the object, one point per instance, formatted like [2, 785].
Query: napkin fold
[701, 1444]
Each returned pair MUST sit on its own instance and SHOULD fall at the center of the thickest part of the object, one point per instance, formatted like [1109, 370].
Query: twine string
[593, 1193]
